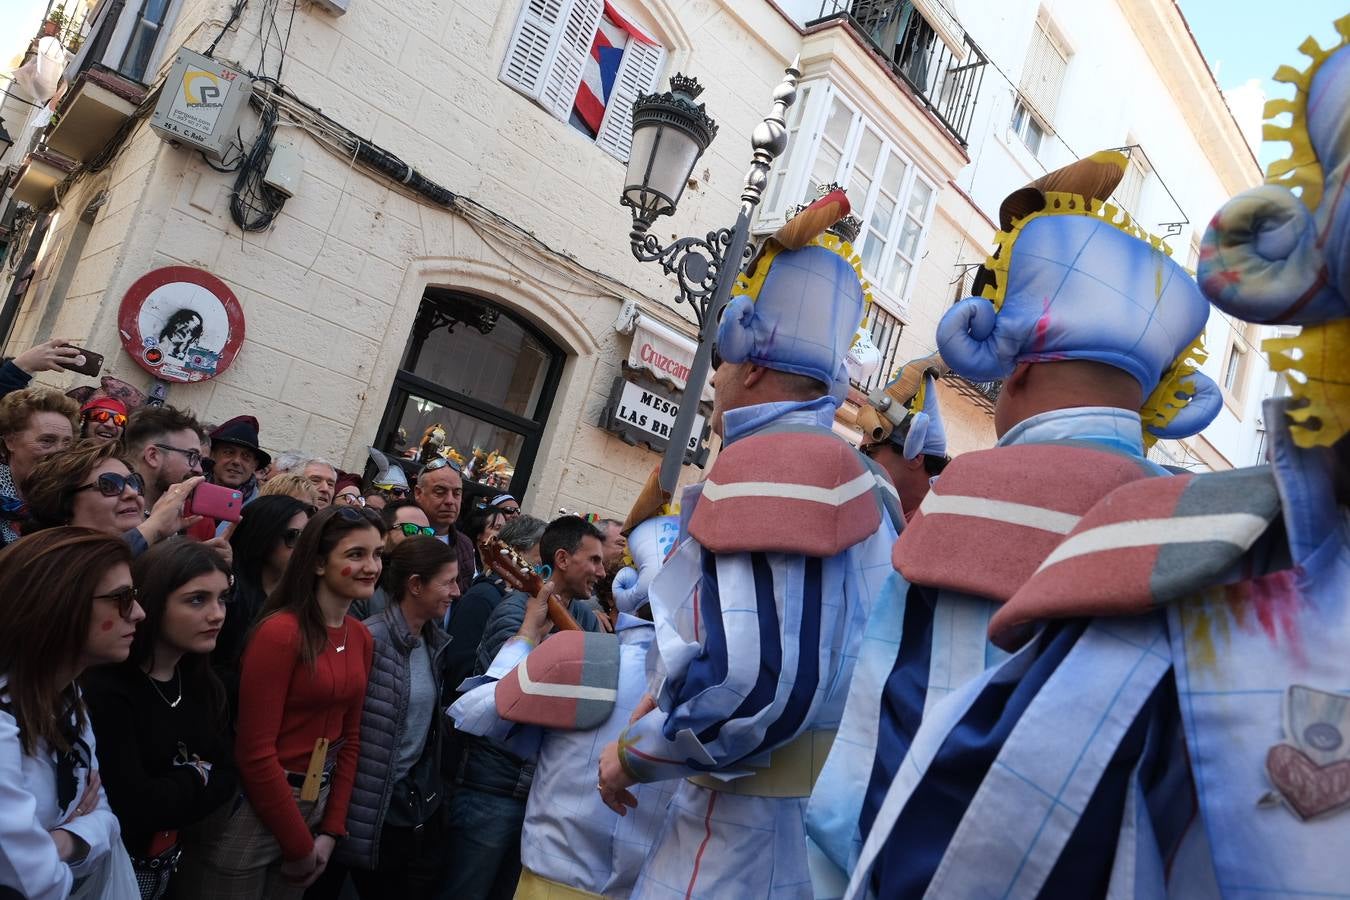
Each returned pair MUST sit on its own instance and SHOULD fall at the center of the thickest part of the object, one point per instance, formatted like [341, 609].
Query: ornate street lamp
[670, 133]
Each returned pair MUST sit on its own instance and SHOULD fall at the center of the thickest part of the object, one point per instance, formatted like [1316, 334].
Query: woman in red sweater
[302, 684]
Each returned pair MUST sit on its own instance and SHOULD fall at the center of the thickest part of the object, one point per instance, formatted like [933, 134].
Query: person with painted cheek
[69, 604]
[302, 684]
[160, 715]
[103, 419]
[93, 486]
[34, 422]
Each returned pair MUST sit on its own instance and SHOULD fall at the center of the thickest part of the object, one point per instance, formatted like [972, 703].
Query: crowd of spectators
[251, 705]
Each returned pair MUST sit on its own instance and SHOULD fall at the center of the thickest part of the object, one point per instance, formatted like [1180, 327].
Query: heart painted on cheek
[346, 571]
[107, 625]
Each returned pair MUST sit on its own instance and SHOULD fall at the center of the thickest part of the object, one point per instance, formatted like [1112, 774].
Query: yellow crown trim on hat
[751, 285]
[1320, 354]
[1057, 203]
[1320, 410]
[1161, 407]
[1301, 171]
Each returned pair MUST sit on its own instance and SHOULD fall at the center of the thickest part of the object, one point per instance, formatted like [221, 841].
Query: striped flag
[612, 38]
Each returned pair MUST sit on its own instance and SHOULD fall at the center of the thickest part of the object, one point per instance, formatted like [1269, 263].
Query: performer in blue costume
[1191, 666]
[1083, 317]
[570, 846]
[759, 609]
[902, 430]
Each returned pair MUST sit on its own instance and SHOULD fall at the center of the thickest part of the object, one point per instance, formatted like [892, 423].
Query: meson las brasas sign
[643, 413]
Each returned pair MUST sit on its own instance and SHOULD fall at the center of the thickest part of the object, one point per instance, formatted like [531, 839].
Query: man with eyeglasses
[164, 446]
[440, 492]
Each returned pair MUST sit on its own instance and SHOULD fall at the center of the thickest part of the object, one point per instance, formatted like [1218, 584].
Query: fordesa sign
[644, 414]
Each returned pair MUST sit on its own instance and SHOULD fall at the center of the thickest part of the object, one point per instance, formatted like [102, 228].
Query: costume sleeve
[344, 774]
[264, 679]
[756, 675]
[28, 858]
[476, 711]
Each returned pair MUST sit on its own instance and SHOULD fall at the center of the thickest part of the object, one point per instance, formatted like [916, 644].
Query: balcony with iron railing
[925, 47]
[885, 330]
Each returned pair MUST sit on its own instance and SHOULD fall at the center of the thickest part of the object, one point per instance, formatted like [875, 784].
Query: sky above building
[1245, 42]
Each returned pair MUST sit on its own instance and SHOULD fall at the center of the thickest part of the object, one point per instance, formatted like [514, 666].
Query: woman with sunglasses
[102, 419]
[160, 716]
[92, 486]
[301, 688]
[262, 543]
[68, 604]
[396, 821]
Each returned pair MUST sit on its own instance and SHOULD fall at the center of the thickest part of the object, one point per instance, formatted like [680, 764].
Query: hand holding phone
[49, 356]
[91, 366]
[220, 503]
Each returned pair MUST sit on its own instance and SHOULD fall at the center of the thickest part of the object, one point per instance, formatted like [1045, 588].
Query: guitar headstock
[513, 568]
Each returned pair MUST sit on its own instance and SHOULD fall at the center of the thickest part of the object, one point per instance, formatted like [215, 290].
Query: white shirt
[29, 809]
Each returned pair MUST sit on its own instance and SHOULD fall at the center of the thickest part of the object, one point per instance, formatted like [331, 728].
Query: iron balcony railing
[885, 330]
[945, 79]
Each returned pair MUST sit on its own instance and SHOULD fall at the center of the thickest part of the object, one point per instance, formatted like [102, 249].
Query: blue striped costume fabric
[1197, 748]
[754, 649]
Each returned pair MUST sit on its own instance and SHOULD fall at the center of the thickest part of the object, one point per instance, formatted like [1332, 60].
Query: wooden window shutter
[1043, 74]
[530, 53]
[639, 73]
[574, 40]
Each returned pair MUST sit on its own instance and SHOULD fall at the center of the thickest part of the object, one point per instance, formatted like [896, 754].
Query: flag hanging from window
[612, 39]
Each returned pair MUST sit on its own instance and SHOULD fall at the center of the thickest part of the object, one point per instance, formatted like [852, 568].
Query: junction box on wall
[202, 103]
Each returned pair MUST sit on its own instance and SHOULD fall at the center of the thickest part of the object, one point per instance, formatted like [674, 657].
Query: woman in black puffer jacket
[395, 825]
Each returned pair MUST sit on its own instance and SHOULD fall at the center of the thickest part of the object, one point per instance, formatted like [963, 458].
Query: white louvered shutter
[570, 53]
[1043, 74]
[530, 53]
[639, 73]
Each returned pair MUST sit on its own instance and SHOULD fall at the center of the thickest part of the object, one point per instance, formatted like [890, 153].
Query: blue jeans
[483, 862]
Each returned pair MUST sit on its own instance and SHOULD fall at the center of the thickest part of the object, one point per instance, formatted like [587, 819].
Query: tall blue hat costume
[1198, 686]
[782, 550]
[930, 690]
[906, 412]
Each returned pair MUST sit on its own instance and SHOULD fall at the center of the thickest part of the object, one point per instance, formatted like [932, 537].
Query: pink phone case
[220, 503]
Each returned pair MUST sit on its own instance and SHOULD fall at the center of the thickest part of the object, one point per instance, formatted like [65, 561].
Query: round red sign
[181, 324]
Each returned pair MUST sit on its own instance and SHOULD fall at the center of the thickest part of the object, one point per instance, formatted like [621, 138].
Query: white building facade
[498, 303]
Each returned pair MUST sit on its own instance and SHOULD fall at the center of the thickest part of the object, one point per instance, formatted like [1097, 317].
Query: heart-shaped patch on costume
[1309, 789]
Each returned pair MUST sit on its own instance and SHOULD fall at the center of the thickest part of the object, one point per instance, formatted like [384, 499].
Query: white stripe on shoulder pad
[566, 691]
[835, 496]
[1036, 517]
[1237, 529]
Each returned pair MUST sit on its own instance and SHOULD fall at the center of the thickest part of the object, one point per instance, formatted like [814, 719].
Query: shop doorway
[475, 383]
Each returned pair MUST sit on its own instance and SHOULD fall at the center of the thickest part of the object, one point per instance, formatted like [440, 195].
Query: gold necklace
[178, 677]
[343, 645]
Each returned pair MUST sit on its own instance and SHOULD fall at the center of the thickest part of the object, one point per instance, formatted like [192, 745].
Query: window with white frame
[831, 141]
[584, 62]
[1027, 127]
[1235, 371]
[1042, 82]
[1130, 191]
